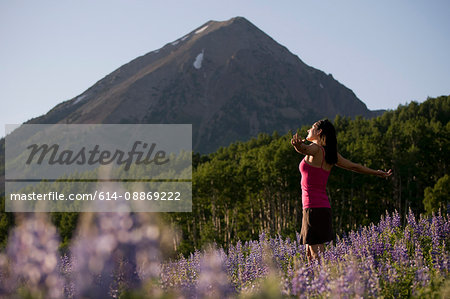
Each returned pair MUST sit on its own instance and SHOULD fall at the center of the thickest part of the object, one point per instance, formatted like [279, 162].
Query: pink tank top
[314, 183]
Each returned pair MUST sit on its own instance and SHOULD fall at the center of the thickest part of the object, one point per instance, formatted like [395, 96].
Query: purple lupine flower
[144, 244]
[240, 262]
[436, 232]
[396, 220]
[385, 222]
[262, 237]
[412, 223]
[369, 276]
[340, 249]
[282, 251]
[424, 224]
[349, 285]
[187, 273]
[297, 237]
[422, 276]
[300, 248]
[301, 281]
[182, 274]
[437, 228]
[400, 253]
[213, 281]
[445, 266]
[390, 273]
[320, 283]
[93, 258]
[254, 264]
[33, 257]
[66, 270]
[446, 226]
[115, 251]
[418, 261]
[235, 264]
[376, 244]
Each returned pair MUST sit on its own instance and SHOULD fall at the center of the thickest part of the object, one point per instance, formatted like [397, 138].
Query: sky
[388, 52]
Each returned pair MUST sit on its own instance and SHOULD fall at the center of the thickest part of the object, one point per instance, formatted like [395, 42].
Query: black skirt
[316, 226]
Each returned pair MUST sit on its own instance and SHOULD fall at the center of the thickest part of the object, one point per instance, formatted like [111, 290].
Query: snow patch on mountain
[201, 29]
[198, 60]
[79, 99]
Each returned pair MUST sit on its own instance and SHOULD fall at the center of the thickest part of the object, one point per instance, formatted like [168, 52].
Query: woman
[321, 156]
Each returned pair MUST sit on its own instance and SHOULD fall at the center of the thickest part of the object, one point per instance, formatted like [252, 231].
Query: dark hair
[330, 146]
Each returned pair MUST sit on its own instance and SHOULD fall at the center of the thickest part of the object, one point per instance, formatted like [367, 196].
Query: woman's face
[313, 133]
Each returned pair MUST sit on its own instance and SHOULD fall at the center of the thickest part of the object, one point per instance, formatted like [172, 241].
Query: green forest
[254, 186]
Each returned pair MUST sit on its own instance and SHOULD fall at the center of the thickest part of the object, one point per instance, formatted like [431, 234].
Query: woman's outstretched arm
[349, 165]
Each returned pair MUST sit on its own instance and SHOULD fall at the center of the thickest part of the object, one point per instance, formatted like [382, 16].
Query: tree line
[254, 186]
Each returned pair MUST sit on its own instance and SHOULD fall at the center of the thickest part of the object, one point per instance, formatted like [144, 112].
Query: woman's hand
[384, 174]
[296, 141]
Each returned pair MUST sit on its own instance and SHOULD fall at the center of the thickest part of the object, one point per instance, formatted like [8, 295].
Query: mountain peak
[235, 20]
[240, 22]
[228, 79]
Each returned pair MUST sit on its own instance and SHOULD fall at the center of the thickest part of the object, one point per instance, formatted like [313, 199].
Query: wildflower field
[120, 255]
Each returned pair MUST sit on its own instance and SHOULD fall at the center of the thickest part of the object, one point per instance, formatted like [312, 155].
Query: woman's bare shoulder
[313, 149]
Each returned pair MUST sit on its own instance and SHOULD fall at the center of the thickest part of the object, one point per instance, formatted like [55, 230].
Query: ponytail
[329, 133]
